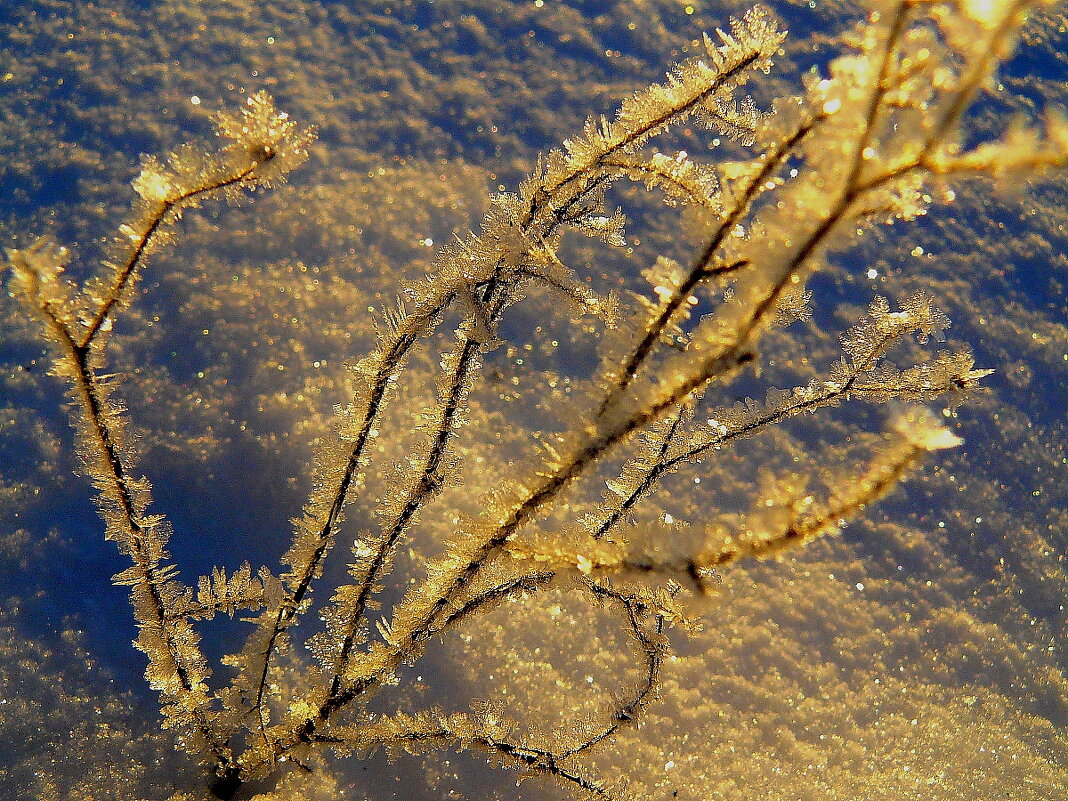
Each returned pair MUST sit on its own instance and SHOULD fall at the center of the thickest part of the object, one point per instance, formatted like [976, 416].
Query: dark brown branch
[652, 649]
[665, 465]
[537, 760]
[391, 363]
[704, 266]
[425, 486]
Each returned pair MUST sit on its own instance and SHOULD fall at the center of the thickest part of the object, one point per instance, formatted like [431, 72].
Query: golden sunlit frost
[468, 463]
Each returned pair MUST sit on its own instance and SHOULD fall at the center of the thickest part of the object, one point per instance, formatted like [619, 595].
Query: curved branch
[653, 651]
[390, 364]
[127, 272]
[425, 486]
[463, 732]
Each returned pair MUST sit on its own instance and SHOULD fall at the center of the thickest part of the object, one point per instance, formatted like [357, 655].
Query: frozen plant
[863, 145]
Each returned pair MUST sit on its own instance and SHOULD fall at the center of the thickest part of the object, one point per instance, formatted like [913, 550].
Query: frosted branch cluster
[860, 146]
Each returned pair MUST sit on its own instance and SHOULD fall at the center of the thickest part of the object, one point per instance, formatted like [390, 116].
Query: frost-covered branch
[263, 145]
[861, 146]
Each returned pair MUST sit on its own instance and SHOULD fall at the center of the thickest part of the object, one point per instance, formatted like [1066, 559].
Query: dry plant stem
[879, 481]
[881, 476]
[647, 483]
[703, 268]
[203, 610]
[882, 86]
[534, 760]
[77, 326]
[664, 466]
[692, 198]
[544, 760]
[523, 584]
[927, 158]
[421, 493]
[635, 136]
[587, 179]
[652, 649]
[558, 216]
[391, 365]
[717, 364]
[426, 628]
[996, 48]
[77, 353]
[100, 435]
[849, 182]
[424, 488]
[128, 271]
[608, 435]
